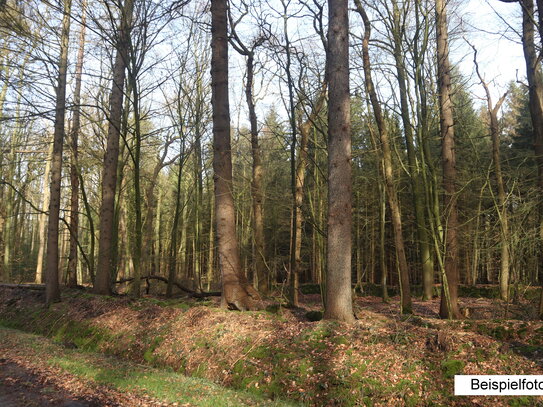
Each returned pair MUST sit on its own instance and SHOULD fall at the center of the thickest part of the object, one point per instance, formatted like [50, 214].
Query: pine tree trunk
[107, 242]
[338, 277]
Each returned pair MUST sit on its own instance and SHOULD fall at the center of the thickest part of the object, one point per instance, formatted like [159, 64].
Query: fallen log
[27, 286]
[192, 293]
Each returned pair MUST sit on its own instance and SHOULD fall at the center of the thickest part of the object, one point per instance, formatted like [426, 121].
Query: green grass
[162, 384]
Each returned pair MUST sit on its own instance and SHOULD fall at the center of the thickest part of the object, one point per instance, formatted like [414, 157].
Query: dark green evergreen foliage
[274, 141]
[518, 129]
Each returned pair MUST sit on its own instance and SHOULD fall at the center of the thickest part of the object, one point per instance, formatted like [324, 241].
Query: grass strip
[120, 375]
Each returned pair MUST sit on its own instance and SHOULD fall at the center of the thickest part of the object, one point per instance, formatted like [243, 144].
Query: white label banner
[498, 385]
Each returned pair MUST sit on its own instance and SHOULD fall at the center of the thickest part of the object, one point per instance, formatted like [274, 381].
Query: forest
[271, 202]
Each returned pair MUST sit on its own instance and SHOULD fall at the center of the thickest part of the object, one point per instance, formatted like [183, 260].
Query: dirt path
[27, 380]
[20, 387]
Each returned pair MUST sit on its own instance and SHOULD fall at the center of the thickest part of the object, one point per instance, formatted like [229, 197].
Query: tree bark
[91, 234]
[106, 249]
[382, 235]
[388, 170]
[52, 289]
[338, 277]
[237, 293]
[294, 271]
[74, 166]
[210, 242]
[502, 204]
[256, 184]
[305, 130]
[198, 112]
[535, 83]
[423, 185]
[42, 219]
[449, 298]
[172, 255]
[135, 288]
[413, 165]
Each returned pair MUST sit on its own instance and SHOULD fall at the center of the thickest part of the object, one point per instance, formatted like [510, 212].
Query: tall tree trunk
[305, 131]
[535, 83]
[3, 211]
[152, 216]
[382, 240]
[541, 304]
[158, 258]
[90, 220]
[382, 219]
[210, 242]
[392, 195]
[237, 293]
[338, 277]
[74, 166]
[172, 256]
[106, 249]
[256, 185]
[315, 206]
[8, 201]
[422, 186]
[52, 289]
[42, 219]
[413, 165]
[199, 191]
[449, 298]
[503, 215]
[135, 288]
[294, 271]
[502, 205]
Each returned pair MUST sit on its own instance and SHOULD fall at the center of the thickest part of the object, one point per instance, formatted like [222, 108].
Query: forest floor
[36, 372]
[281, 354]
